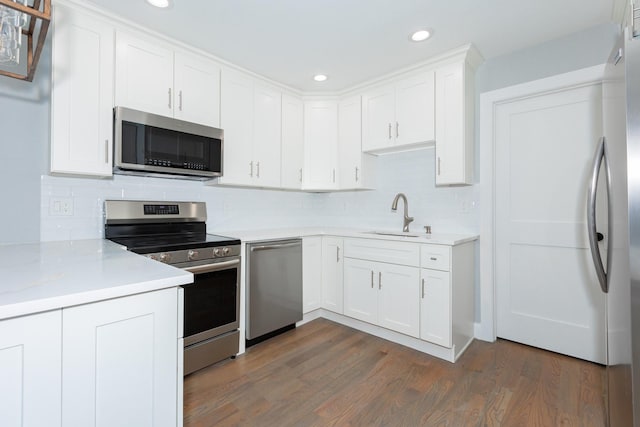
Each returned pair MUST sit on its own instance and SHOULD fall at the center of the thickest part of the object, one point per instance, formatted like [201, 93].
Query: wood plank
[326, 374]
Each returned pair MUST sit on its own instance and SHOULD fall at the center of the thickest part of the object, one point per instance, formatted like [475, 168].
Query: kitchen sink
[395, 233]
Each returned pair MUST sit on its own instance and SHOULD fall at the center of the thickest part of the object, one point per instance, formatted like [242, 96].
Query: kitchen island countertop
[37, 277]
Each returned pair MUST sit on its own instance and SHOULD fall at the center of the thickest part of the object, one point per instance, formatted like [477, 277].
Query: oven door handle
[278, 246]
[208, 268]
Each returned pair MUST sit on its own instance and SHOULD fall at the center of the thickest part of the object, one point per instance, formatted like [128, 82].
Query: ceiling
[353, 41]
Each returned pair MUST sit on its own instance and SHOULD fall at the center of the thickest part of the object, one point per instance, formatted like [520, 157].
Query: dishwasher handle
[277, 246]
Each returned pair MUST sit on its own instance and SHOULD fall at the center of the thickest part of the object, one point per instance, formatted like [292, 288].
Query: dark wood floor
[325, 374]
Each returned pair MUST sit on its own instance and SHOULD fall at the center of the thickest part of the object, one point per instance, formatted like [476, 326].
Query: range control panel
[161, 210]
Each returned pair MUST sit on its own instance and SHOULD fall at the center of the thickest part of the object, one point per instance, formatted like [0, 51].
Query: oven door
[212, 301]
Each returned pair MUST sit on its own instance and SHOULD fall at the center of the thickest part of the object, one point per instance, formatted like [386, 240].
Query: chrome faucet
[407, 218]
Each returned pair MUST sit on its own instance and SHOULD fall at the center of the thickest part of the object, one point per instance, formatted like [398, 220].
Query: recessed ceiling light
[420, 35]
[319, 77]
[159, 3]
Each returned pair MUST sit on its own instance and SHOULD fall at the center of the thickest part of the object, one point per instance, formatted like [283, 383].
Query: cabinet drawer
[436, 257]
[383, 251]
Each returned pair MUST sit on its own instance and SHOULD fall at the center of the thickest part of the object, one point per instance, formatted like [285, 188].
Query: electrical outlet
[61, 206]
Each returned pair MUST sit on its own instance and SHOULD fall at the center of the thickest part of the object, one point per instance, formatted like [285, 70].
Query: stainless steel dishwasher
[274, 288]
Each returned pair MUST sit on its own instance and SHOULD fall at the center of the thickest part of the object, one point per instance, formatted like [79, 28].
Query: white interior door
[547, 292]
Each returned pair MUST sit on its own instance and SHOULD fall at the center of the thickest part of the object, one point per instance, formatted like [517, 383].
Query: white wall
[24, 152]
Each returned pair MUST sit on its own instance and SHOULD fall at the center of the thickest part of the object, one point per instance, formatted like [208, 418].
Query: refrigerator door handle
[600, 156]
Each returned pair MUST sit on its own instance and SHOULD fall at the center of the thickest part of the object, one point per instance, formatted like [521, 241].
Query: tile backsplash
[72, 208]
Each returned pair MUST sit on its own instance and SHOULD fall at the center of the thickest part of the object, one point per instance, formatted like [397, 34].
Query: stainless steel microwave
[149, 144]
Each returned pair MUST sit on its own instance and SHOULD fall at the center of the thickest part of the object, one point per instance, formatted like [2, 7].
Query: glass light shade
[11, 24]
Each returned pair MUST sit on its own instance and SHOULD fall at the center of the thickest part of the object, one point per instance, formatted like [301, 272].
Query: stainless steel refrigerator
[614, 234]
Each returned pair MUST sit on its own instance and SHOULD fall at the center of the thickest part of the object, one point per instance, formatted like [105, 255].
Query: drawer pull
[371, 279]
[433, 258]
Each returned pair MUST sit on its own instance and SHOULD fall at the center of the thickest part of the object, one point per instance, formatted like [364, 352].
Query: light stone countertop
[44, 276]
[283, 233]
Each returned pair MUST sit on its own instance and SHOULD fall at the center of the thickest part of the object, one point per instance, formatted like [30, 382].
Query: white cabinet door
[332, 274]
[454, 126]
[292, 142]
[120, 362]
[311, 273]
[435, 307]
[415, 110]
[144, 75]
[197, 87]
[320, 145]
[267, 117]
[30, 363]
[81, 94]
[236, 119]
[361, 290]
[351, 168]
[398, 299]
[378, 116]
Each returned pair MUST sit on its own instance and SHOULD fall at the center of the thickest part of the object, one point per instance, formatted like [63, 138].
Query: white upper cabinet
[267, 128]
[378, 115]
[415, 110]
[399, 115]
[144, 75]
[197, 86]
[236, 118]
[320, 145]
[355, 169]
[156, 78]
[292, 142]
[454, 124]
[81, 94]
[251, 115]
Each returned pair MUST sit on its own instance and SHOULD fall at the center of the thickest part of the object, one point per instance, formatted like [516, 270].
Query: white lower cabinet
[311, 273]
[332, 274]
[382, 294]
[435, 307]
[447, 311]
[30, 380]
[119, 365]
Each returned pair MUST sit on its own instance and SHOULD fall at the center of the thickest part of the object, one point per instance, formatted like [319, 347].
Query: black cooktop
[173, 242]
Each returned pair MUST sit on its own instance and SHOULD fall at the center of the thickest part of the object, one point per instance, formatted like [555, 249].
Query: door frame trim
[485, 329]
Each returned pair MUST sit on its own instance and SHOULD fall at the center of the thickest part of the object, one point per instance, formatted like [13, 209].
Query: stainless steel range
[175, 233]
